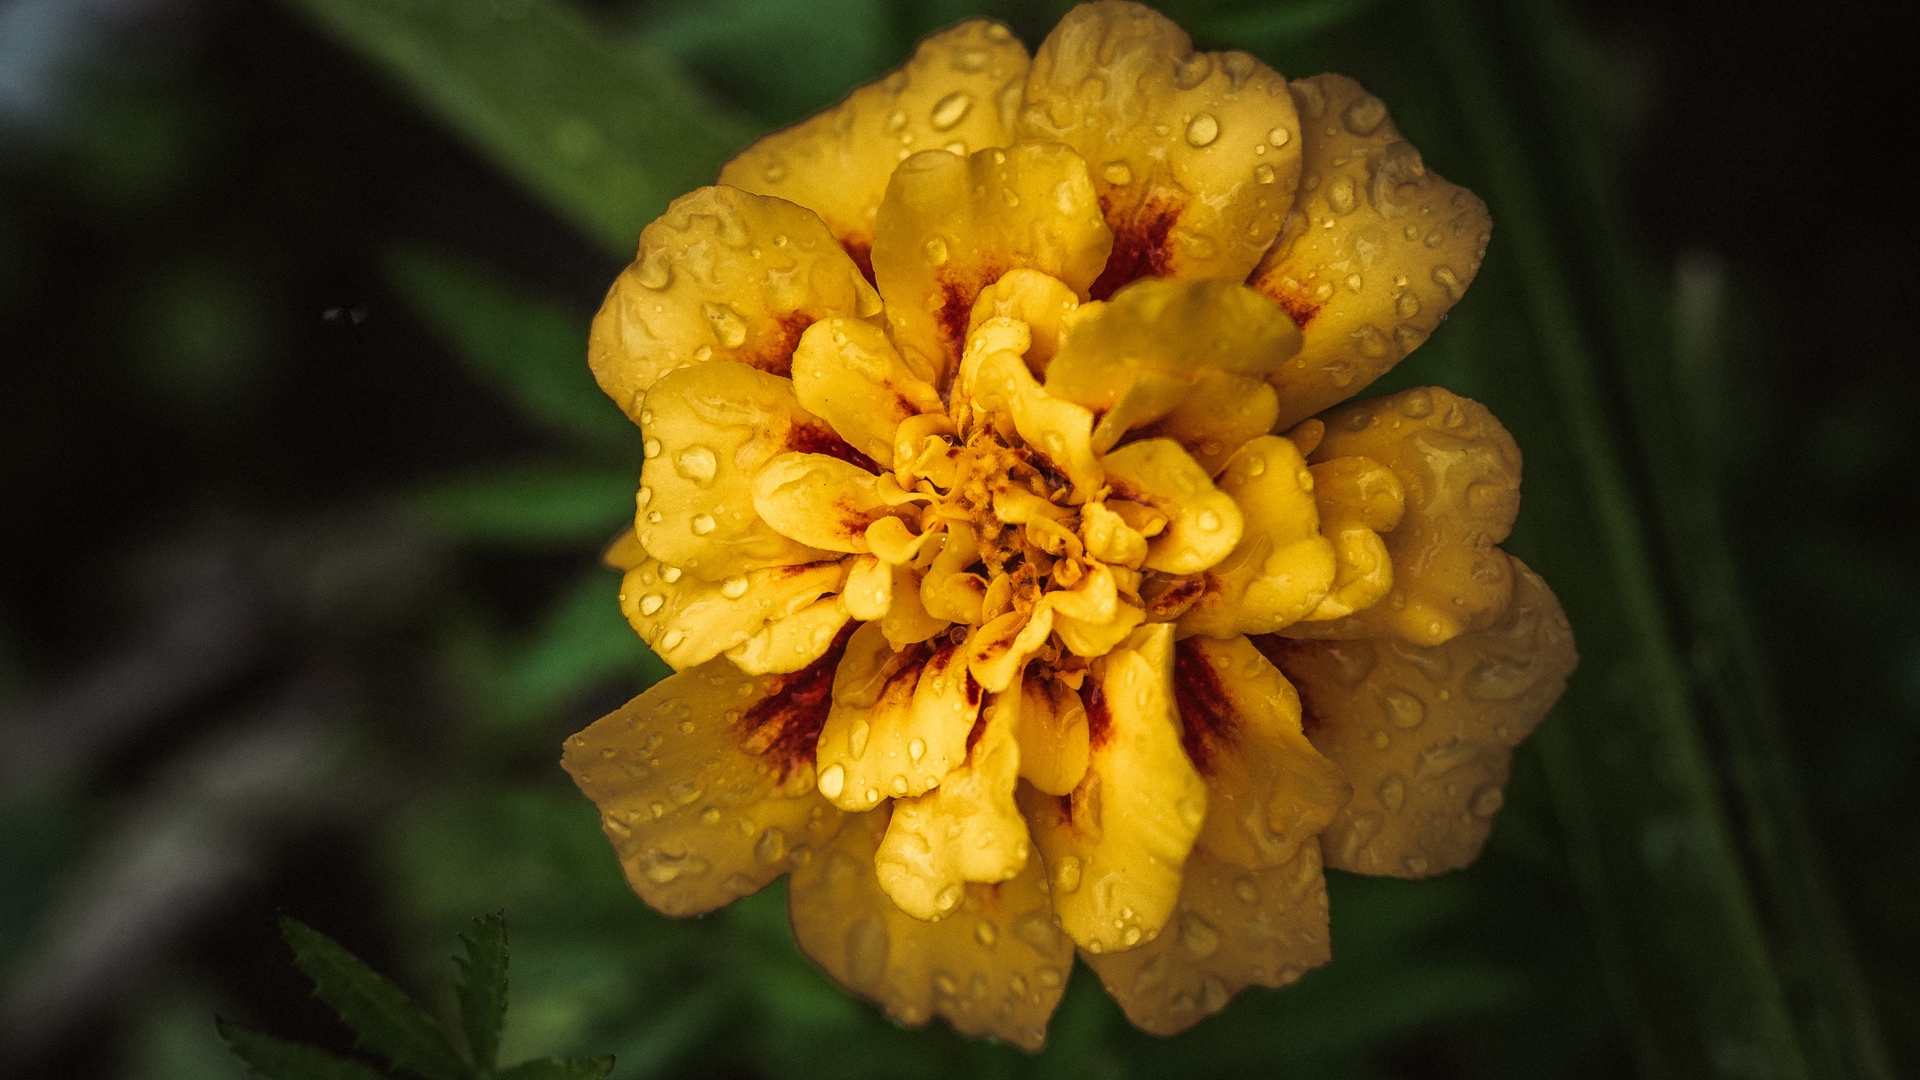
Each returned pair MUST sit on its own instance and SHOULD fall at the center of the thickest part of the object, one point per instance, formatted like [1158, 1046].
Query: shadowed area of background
[303, 481]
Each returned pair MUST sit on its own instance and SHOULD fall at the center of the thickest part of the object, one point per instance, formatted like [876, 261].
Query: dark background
[269, 643]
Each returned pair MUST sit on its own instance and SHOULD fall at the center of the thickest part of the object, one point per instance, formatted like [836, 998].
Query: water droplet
[895, 121]
[728, 327]
[1192, 71]
[662, 868]
[651, 448]
[644, 496]
[1117, 173]
[734, 588]
[775, 172]
[1486, 801]
[670, 574]
[656, 269]
[1209, 521]
[650, 603]
[1408, 305]
[1279, 136]
[1402, 709]
[710, 816]
[916, 749]
[986, 933]
[1393, 792]
[899, 786]
[949, 897]
[1198, 936]
[1048, 977]
[936, 252]
[1415, 864]
[684, 792]
[1066, 878]
[1340, 195]
[1363, 117]
[857, 738]
[1263, 173]
[673, 639]
[1443, 758]
[1010, 196]
[832, 779]
[1246, 890]
[1444, 277]
[971, 60]
[703, 524]
[772, 845]
[951, 110]
[697, 463]
[1202, 130]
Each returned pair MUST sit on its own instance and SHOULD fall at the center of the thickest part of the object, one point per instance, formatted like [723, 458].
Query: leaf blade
[593, 1068]
[278, 1059]
[382, 1016]
[482, 988]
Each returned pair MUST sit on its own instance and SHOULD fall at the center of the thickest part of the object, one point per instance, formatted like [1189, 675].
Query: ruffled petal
[1459, 471]
[1115, 847]
[950, 226]
[1136, 358]
[1282, 567]
[1359, 499]
[722, 275]
[996, 967]
[847, 373]
[1426, 734]
[688, 621]
[1374, 253]
[1234, 928]
[1196, 155]
[899, 720]
[705, 782]
[1053, 736]
[709, 430]
[1268, 790]
[1203, 523]
[819, 500]
[966, 830]
[958, 92]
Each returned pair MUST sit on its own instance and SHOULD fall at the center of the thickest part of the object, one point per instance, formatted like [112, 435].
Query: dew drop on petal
[1202, 130]
[832, 779]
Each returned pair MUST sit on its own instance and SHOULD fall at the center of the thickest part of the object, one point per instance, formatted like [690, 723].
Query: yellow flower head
[1002, 617]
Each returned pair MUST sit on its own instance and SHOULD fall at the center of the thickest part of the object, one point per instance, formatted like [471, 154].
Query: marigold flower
[1002, 618]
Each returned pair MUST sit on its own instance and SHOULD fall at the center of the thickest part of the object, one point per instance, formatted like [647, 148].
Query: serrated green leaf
[384, 1018]
[543, 504]
[605, 132]
[560, 1069]
[482, 988]
[532, 351]
[278, 1059]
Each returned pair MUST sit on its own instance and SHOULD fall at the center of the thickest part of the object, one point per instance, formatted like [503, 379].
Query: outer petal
[847, 373]
[1196, 155]
[710, 429]
[1374, 253]
[1234, 928]
[967, 829]
[950, 226]
[1115, 847]
[819, 500]
[959, 93]
[1460, 472]
[1426, 734]
[996, 967]
[1136, 358]
[1203, 523]
[899, 721]
[1268, 790]
[705, 782]
[1053, 736]
[688, 621]
[1359, 499]
[1282, 566]
[722, 275]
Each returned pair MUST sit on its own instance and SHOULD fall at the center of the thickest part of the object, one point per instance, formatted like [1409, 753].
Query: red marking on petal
[1207, 718]
[1298, 308]
[1099, 716]
[860, 250]
[1140, 246]
[957, 298]
[809, 439]
[788, 719]
[774, 352]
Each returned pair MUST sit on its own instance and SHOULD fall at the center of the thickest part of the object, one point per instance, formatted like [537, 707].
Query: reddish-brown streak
[1099, 717]
[1139, 245]
[1207, 718]
[956, 302]
[796, 708]
[774, 354]
[1285, 651]
[860, 250]
[1297, 308]
[808, 439]
[1184, 591]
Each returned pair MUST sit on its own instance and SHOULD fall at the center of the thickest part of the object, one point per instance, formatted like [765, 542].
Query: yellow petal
[688, 622]
[1203, 522]
[847, 373]
[1059, 432]
[1114, 848]
[958, 92]
[1044, 304]
[1359, 499]
[906, 620]
[624, 553]
[1234, 928]
[1460, 472]
[1374, 253]
[950, 226]
[705, 782]
[996, 967]
[1053, 736]
[1134, 359]
[818, 500]
[1426, 734]
[967, 829]
[1282, 566]
[1219, 414]
[869, 590]
[1196, 155]
[899, 720]
[709, 431]
[792, 643]
[722, 275]
[1268, 790]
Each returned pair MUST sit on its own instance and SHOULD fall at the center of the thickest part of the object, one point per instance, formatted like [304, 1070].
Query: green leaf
[606, 133]
[532, 351]
[545, 504]
[278, 1059]
[482, 987]
[583, 640]
[384, 1018]
[560, 1069]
